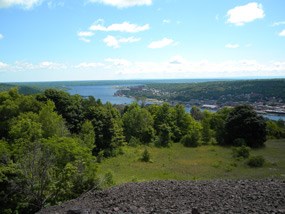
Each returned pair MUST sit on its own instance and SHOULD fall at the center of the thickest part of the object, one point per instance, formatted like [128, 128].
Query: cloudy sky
[47, 40]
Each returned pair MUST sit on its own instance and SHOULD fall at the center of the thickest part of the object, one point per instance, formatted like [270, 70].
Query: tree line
[52, 142]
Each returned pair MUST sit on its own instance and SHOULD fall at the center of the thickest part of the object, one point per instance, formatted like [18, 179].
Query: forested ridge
[221, 91]
[52, 142]
[23, 89]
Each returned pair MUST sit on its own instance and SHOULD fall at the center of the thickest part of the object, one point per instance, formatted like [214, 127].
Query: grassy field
[202, 163]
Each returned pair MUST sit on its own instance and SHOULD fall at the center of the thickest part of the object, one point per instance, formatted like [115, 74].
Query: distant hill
[221, 91]
[22, 88]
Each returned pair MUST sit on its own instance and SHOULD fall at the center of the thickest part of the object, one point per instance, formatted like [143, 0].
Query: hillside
[23, 89]
[220, 91]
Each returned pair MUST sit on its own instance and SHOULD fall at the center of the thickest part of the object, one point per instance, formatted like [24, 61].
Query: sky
[56, 40]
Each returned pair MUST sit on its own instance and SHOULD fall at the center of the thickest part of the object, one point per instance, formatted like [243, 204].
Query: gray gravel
[220, 196]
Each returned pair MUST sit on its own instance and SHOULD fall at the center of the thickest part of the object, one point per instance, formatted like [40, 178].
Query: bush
[190, 140]
[239, 142]
[134, 142]
[100, 156]
[241, 152]
[256, 161]
[145, 156]
[213, 141]
[108, 179]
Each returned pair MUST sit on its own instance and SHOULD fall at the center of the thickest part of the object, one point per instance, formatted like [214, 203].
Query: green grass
[202, 163]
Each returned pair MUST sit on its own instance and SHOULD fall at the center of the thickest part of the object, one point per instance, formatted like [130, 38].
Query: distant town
[261, 104]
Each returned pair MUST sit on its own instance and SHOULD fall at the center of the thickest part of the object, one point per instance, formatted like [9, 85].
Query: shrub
[256, 161]
[134, 142]
[241, 152]
[239, 142]
[108, 179]
[100, 156]
[145, 156]
[190, 140]
[213, 141]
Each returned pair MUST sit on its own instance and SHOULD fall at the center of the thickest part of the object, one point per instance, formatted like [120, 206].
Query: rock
[116, 209]
[195, 211]
[74, 211]
[216, 196]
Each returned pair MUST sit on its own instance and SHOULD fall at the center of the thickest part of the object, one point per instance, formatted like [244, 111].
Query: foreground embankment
[219, 196]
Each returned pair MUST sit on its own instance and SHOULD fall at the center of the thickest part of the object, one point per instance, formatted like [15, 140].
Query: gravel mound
[220, 196]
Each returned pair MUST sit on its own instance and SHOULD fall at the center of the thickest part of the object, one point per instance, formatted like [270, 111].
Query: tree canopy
[244, 123]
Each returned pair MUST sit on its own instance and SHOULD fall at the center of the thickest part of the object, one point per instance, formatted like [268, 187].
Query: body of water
[106, 94]
[103, 92]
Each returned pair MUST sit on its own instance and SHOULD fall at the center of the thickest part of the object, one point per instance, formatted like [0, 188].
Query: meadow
[202, 163]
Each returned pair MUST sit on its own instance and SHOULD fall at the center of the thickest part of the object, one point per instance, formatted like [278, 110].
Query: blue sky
[49, 40]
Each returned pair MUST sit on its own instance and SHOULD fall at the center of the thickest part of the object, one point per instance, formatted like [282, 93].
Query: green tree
[69, 107]
[217, 124]
[26, 128]
[193, 137]
[196, 113]
[87, 135]
[275, 129]
[52, 123]
[243, 122]
[190, 140]
[207, 132]
[182, 121]
[108, 129]
[138, 123]
[164, 136]
[163, 115]
[54, 170]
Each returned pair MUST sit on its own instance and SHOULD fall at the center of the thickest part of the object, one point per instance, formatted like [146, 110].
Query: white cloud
[129, 40]
[50, 65]
[232, 46]
[177, 60]
[22, 66]
[85, 34]
[26, 4]
[1, 36]
[246, 13]
[112, 41]
[166, 21]
[282, 33]
[89, 65]
[178, 67]
[160, 43]
[278, 23]
[3, 65]
[83, 39]
[174, 67]
[119, 62]
[123, 3]
[44, 65]
[54, 4]
[122, 27]
[217, 17]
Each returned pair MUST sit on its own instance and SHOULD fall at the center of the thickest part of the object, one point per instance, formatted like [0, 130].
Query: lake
[106, 94]
[103, 92]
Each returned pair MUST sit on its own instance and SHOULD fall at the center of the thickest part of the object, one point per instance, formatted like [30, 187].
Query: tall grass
[201, 163]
